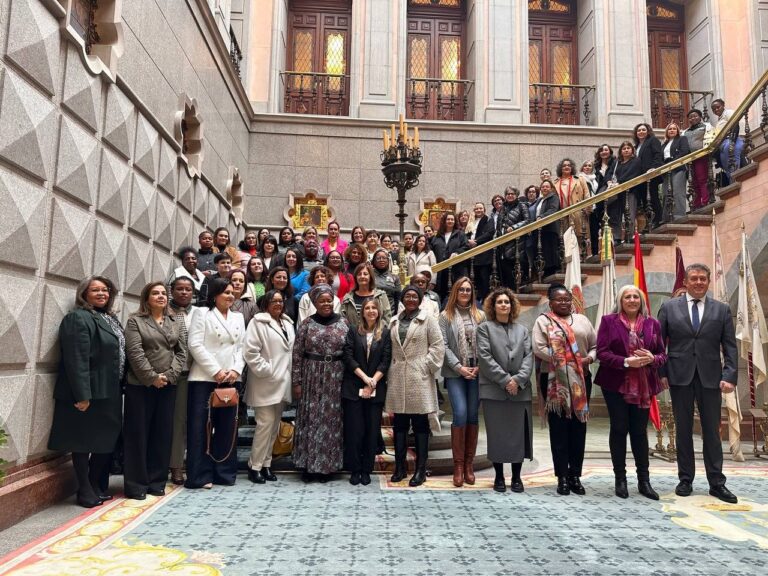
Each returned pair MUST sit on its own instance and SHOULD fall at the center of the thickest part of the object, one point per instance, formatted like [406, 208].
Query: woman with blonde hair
[675, 146]
[458, 325]
[630, 350]
[367, 353]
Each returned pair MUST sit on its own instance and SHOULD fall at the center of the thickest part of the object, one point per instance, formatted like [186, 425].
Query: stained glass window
[558, 6]
[334, 59]
[670, 74]
[451, 3]
[303, 48]
[534, 66]
[418, 63]
[656, 10]
[450, 48]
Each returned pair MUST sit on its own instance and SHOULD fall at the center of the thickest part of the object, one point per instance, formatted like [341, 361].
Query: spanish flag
[654, 414]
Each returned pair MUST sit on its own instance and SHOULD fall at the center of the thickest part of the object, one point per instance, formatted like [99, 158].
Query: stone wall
[340, 157]
[91, 180]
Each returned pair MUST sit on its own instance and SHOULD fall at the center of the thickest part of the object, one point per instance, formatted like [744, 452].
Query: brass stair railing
[757, 91]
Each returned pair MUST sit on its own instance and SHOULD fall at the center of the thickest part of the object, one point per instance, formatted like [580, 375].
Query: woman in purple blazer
[630, 351]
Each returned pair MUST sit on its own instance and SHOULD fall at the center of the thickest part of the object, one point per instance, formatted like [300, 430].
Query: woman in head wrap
[417, 353]
[317, 374]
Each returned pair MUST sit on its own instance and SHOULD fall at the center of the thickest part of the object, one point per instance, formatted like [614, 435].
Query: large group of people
[331, 327]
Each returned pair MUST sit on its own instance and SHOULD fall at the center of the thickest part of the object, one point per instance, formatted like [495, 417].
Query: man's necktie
[695, 320]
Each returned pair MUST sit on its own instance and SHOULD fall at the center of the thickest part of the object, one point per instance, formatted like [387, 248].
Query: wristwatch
[626, 362]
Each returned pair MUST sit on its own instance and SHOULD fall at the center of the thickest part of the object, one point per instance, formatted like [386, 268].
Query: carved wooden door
[318, 57]
[435, 51]
[668, 68]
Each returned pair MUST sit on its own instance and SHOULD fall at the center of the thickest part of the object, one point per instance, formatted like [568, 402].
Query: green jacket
[90, 358]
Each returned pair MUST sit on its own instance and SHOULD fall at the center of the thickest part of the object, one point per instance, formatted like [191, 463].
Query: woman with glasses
[458, 326]
[268, 352]
[566, 344]
[417, 353]
[506, 362]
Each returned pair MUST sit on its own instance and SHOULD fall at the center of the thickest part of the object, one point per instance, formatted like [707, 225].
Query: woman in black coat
[367, 354]
[87, 415]
[649, 154]
[447, 242]
[549, 203]
[676, 182]
[626, 167]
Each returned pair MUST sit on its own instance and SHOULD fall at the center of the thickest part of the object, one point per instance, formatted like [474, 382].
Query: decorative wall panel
[71, 241]
[21, 220]
[77, 172]
[33, 42]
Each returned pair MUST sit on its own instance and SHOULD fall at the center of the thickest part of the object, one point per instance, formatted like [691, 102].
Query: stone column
[375, 58]
[507, 90]
[621, 63]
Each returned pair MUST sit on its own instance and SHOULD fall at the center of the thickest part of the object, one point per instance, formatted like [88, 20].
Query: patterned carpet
[290, 527]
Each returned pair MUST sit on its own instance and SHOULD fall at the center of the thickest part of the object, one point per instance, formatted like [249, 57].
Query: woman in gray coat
[156, 356]
[505, 358]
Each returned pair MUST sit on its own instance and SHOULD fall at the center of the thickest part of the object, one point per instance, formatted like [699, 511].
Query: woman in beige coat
[417, 353]
[268, 352]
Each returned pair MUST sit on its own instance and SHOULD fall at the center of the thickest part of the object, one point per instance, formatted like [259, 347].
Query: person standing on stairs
[417, 353]
[566, 344]
[505, 359]
[458, 325]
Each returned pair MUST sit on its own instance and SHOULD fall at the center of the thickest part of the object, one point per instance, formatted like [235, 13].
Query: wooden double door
[317, 60]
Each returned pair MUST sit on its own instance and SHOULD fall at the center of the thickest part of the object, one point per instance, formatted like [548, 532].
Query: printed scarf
[635, 387]
[566, 389]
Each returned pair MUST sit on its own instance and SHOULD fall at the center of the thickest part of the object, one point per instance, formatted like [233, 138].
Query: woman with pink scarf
[630, 351]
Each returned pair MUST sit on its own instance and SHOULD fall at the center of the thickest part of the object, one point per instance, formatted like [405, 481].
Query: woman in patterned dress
[318, 371]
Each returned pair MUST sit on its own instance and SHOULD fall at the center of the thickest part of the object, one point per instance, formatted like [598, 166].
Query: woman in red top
[342, 282]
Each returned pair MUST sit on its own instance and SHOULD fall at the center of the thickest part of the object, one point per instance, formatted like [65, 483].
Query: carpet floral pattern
[290, 527]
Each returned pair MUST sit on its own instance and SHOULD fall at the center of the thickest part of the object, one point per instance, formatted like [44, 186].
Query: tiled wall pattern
[90, 181]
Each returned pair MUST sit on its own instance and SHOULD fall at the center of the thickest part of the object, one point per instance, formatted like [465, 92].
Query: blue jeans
[465, 400]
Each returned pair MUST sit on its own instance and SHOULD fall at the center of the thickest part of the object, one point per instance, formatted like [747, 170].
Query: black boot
[401, 447]
[645, 488]
[562, 486]
[621, 487]
[574, 483]
[498, 483]
[86, 496]
[422, 451]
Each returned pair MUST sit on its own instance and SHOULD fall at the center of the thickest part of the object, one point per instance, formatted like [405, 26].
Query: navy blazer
[680, 148]
[551, 204]
[651, 154]
[690, 352]
[356, 356]
[613, 348]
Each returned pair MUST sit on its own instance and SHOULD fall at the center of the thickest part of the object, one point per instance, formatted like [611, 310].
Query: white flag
[608, 290]
[751, 331]
[733, 407]
[573, 269]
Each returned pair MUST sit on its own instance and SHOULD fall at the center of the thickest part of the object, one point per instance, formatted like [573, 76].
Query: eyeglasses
[465, 290]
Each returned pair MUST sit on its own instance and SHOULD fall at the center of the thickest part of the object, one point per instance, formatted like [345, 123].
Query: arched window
[552, 62]
[316, 80]
[435, 88]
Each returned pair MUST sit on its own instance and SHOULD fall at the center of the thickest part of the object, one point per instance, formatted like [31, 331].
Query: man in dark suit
[697, 329]
[482, 264]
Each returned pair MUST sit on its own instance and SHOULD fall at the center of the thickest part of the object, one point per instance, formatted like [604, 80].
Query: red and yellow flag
[654, 414]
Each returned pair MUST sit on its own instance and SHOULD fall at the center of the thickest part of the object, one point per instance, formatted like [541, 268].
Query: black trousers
[201, 468]
[148, 433]
[708, 401]
[507, 273]
[567, 436]
[482, 280]
[595, 223]
[362, 426]
[403, 422]
[627, 419]
[642, 194]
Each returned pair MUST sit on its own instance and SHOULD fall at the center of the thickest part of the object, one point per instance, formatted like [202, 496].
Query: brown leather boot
[470, 447]
[457, 446]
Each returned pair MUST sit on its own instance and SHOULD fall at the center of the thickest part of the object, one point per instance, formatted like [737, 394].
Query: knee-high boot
[422, 452]
[401, 448]
[469, 453]
[457, 447]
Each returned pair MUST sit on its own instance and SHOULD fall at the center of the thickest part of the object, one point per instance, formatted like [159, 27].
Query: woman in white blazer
[268, 353]
[421, 257]
[215, 344]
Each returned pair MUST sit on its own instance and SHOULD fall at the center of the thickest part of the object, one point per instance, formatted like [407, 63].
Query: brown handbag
[284, 442]
[222, 398]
